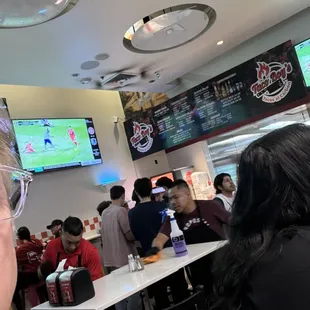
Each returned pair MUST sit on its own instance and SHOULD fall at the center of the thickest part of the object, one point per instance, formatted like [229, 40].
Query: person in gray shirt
[118, 241]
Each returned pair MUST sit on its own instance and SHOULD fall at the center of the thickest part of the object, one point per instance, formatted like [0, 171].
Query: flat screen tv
[53, 144]
[303, 55]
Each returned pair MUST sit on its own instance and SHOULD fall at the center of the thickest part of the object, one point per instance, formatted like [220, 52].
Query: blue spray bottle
[177, 236]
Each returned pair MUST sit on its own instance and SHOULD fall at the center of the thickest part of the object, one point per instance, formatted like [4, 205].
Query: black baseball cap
[55, 223]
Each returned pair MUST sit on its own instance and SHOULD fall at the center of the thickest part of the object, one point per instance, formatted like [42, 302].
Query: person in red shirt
[28, 148]
[71, 246]
[72, 135]
[29, 257]
[29, 253]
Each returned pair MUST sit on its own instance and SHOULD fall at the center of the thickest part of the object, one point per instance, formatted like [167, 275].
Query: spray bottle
[177, 236]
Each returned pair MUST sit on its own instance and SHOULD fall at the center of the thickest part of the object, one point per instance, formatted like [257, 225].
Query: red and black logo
[272, 81]
[142, 140]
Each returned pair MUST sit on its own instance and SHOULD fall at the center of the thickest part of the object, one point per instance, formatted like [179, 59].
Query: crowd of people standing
[264, 265]
[143, 230]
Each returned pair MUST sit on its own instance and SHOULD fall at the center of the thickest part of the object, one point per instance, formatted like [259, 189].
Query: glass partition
[225, 149]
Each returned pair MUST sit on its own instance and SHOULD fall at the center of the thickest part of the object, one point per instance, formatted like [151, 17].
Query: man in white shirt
[225, 188]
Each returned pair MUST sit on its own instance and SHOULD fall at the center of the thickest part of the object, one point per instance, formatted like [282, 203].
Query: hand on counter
[153, 251]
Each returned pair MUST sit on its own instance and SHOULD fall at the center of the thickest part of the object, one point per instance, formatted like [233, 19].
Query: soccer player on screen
[28, 148]
[72, 136]
[47, 139]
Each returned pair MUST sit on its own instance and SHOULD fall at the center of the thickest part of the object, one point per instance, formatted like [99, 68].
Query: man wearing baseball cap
[55, 227]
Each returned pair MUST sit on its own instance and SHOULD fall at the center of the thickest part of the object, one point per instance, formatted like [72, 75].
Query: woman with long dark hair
[266, 264]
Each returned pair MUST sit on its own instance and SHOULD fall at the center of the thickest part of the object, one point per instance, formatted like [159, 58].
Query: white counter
[91, 237]
[120, 284]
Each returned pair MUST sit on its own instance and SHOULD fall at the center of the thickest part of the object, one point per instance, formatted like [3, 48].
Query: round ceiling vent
[102, 56]
[169, 28]
[19, 14]
[89, 65]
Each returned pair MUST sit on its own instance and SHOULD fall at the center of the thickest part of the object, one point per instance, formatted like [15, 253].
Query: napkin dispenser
[53, 289]
[76, 286]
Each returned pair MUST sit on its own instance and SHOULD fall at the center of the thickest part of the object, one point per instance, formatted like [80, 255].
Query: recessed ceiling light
[169, 28]
[220, 42]
[30, 13]
[85, 81]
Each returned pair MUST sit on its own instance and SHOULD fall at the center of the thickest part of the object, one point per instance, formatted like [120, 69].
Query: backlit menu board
[242, 94]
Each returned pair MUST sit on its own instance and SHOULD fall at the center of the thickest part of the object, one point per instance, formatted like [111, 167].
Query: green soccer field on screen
[62, 141]
[304, 60]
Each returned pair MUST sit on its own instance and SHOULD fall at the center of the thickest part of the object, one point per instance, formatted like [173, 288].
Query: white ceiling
[47, 54]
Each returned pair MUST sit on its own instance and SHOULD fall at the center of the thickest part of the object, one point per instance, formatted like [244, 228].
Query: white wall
[296, 28]
[152, 165]
[192, 155]
[72, 192]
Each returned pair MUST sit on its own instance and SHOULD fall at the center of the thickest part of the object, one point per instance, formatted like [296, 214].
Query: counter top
[91, 237]
[120, 284]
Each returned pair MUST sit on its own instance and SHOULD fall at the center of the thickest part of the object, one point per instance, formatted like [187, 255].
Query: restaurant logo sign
[142, 140]
[272, 81]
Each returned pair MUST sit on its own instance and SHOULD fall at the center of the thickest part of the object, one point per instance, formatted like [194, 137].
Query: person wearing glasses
[9, 210]
[71, 246]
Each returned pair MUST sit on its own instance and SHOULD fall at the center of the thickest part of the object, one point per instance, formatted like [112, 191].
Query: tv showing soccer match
[52, 144]
[303, 55]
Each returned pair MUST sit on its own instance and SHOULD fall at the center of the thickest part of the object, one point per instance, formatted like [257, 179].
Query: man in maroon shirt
[201, 221]
[78, 251]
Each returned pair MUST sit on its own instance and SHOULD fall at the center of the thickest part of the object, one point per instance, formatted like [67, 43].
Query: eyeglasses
[17, 189]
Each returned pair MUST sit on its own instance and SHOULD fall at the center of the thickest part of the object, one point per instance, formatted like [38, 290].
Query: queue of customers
[140, 230]
[265, 263]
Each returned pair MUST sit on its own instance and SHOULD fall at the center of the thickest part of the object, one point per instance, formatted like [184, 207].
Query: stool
[196, 301]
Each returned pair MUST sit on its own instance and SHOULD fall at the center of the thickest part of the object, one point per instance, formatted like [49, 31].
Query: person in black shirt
[166, 183]
[145, 218]
[145, 222]
[266, 263]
